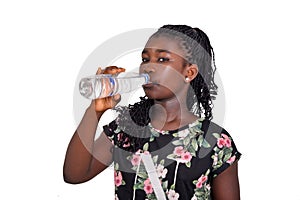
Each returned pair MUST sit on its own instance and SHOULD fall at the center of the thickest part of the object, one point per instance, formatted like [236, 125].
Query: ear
[191, 72]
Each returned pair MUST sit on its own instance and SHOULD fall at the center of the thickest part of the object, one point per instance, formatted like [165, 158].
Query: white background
[44, 43]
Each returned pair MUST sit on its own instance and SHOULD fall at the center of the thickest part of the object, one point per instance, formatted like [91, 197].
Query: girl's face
[162, 59]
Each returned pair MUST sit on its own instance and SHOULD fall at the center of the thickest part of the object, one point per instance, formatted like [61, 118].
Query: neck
[171, 114]
[170, 110]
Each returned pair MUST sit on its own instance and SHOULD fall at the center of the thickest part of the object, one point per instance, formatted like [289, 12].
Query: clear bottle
[104, 85]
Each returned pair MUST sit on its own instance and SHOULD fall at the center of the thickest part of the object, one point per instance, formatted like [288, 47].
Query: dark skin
[226, 185]
[83, 160]
[168, 72]
[170, 75]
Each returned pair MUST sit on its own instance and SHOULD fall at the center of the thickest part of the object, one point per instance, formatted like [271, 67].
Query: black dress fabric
[186, 161]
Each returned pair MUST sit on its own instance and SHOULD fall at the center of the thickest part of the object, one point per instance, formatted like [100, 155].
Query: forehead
[165, 43]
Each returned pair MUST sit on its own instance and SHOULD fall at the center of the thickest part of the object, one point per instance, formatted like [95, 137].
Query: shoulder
[210, 127]
[223, 150]
[211, 130]
[214, 131]
[217, 137]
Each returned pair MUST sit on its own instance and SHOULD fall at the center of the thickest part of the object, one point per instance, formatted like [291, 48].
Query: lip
[150, 85]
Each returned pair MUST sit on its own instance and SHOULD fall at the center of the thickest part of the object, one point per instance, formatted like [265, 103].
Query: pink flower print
[178, 151]
[224, 136]
[221, 142]
[228, 142]
[148, 189]
[146, 152]
[126, 143]
[231, 160]
[201, 180]
[118, 178]
[120, 135]
[224, 141]
[172, 195]
[199, 185]
[147, 181]
[161, 172]
[147, 186]
[186, 157]
[126, 140]
[136, 159]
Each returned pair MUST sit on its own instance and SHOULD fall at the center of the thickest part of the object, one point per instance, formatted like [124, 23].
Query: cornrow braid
[198, 50]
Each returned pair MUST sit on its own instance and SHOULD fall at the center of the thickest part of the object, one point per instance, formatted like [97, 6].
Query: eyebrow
[157, 50]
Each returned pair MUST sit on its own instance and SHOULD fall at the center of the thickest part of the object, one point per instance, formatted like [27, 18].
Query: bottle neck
[147, 77]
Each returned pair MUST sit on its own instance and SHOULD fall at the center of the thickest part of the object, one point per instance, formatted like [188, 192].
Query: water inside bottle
[86, 87]
[103, 85]
[97, 86]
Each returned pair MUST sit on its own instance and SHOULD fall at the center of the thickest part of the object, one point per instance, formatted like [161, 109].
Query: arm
[81, 163]
[226, 185]
[85, 158]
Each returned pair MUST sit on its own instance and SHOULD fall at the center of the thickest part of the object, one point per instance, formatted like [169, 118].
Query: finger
[116, 99]
[99, 71]
[110, 70]
[113, 70]
[120, 69]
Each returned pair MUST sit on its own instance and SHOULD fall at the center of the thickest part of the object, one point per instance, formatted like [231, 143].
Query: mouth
[150, 84]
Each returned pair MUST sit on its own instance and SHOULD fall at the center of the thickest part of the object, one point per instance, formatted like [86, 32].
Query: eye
[163, 59]
[145, 60]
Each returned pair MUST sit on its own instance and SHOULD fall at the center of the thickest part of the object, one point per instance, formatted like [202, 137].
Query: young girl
[170, 129]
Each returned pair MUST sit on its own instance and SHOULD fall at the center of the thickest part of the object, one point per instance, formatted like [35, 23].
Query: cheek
[170, 78]
[141, 69]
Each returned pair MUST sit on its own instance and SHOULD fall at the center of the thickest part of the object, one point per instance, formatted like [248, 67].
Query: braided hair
[198, 50]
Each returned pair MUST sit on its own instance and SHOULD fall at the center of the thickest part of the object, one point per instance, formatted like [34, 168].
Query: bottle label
[112, 85]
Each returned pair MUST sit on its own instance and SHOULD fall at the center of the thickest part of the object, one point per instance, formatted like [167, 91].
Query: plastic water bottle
[104, 85]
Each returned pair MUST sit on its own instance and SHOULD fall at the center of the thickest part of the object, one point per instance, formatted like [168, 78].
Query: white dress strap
[152, 174]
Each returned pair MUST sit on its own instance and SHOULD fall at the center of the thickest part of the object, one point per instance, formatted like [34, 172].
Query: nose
[147, 69]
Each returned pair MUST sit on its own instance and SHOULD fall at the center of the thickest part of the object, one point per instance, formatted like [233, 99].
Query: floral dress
[186, 161]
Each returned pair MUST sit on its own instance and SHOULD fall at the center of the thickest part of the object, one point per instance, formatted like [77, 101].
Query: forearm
[86, 130]
[79, 155]
[86, 157]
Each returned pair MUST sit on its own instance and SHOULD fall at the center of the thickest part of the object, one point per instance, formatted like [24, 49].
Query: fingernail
[117, 97]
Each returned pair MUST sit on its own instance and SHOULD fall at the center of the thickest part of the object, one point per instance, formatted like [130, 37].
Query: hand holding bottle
[103, 104]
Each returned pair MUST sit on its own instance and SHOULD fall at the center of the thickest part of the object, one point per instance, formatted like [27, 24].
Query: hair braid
[198, 51]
